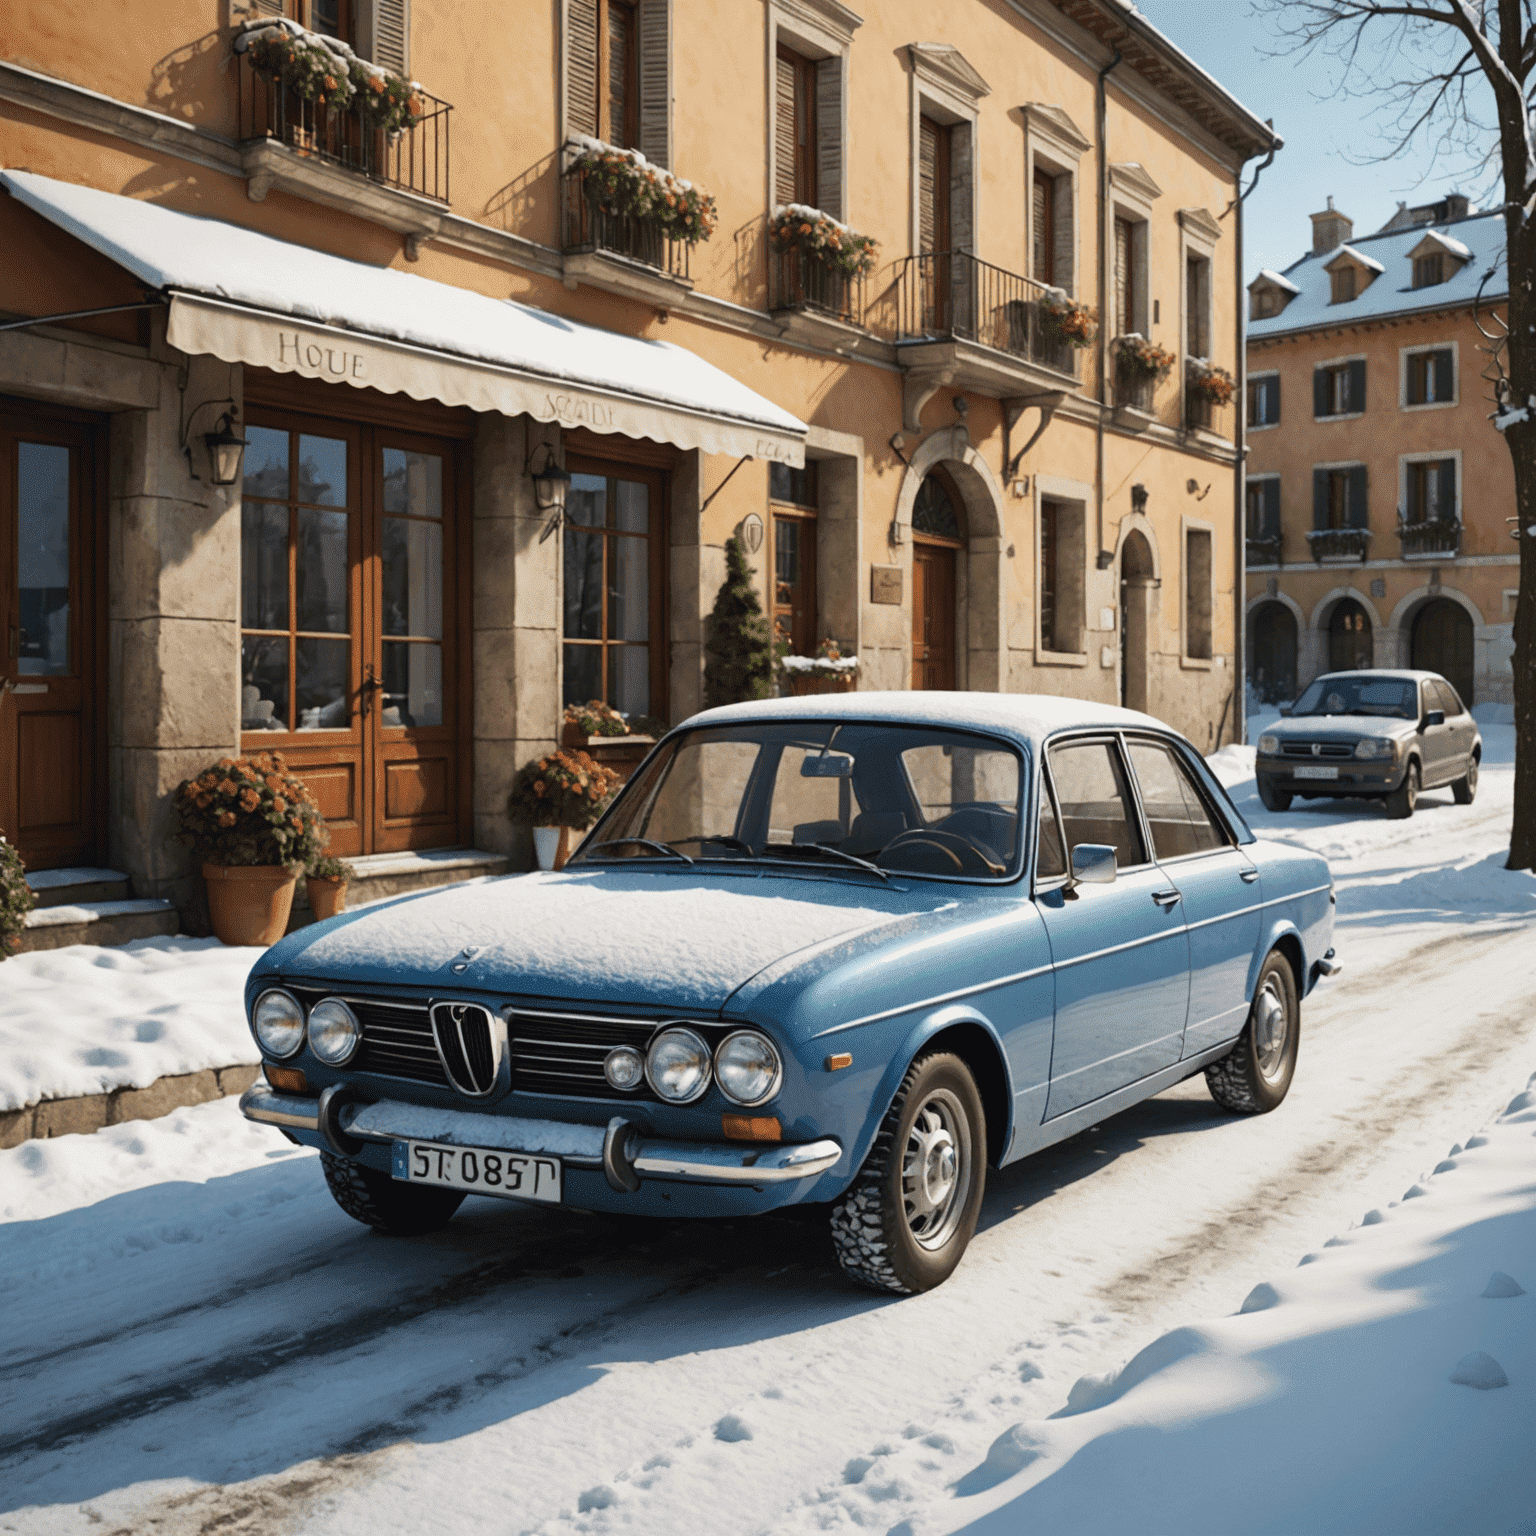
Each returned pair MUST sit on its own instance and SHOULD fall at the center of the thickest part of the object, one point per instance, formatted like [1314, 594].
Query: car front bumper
[1357, 776]
[619, 1150]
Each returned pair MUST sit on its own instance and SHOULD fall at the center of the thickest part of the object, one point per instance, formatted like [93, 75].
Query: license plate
[1308, 771]
[480, 1170]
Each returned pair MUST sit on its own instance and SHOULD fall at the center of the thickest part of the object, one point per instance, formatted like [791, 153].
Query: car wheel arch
[1287, 940]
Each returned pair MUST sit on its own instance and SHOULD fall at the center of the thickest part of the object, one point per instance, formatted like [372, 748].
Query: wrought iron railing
[413, 160]
[1339, 543]
[798, 280]
[1439, 536]
[1264, 549]
[589, 226]
[943, 294]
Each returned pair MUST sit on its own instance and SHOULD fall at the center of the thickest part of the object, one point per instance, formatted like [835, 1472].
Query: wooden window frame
[1429, 270]
[1419, 365]
[802, 152]
[628, 133]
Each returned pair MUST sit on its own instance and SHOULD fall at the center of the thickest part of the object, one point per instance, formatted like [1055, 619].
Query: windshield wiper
[663, 849]
[772, 850]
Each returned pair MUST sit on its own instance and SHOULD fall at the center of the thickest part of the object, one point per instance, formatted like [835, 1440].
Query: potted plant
[615, 741]
[826, 240]
[624, 182]
[252, 826]
[1138, 360]
[16, 898]
[1208, 384]
[560, 793]
[582, 722]
[325, 883]
[828, 671]
[313, 67]
[1067, 321]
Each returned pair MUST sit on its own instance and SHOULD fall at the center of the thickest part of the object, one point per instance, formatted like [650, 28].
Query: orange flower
[249, 800]
[279, 805]
[225, 762]
[298, 826]
[204, 801]
[226, 818]
[273, 782]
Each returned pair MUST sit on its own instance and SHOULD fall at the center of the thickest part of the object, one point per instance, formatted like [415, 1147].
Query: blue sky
[1318, 125]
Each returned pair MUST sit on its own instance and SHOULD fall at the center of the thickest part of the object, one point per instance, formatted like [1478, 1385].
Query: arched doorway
[1441, 641]
[1272, 652]
[1136, 584]
[1351, 641]
[938, 534]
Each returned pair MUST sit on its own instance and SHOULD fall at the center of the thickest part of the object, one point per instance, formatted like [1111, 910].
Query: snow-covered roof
[1347, 253]
[1031, 716]
[1392, 293]
[435, 340]
[1434, 241]
[1274, 280]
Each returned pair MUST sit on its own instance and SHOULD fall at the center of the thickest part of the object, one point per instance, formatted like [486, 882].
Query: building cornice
[1376, 322]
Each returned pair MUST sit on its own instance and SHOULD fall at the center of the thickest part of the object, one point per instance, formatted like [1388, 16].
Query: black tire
[1255, 1076]
[1274, 799]
[1465, 788]
[386, 1204]
[1401, 801]
[888, 1230]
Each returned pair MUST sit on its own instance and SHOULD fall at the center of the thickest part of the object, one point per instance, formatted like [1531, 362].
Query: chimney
[1330, 229]
[1456, 206]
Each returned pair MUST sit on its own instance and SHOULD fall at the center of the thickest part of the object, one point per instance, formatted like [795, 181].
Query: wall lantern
[225, 449]
[550, 481]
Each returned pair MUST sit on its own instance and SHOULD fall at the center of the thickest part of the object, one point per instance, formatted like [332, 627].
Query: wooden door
[50, 675]
[933, 616]
[1442, 641]
[348, 650]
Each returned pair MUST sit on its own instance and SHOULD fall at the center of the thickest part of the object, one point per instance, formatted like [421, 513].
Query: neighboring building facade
[920, 465]
[1379, 492]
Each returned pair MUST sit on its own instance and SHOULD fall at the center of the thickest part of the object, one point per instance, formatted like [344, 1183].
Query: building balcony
[343, 159]
[618, 252]
[1333, 545]
[1438, 539]
[814, 302]
[1264, 549]
[964, 322]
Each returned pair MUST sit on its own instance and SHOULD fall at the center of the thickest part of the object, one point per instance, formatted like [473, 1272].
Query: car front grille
[397, 1037]
[1318, 749]
[563, 1053]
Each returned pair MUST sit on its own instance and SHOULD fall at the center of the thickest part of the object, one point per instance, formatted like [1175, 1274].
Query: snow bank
[86, 1020]
[1396, 1367]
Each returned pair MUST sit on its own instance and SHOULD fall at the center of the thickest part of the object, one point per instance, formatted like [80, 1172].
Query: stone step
[98, 922]
[70, 887]
[381, 875]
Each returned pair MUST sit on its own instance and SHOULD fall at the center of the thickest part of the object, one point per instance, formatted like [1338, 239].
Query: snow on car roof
[1027, 715]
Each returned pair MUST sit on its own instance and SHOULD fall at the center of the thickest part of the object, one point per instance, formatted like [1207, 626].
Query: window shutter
[829, 136]
[1125, 318]
[581, 55]
[1041, 254]
[1447, 508]
[961, 233]
[1061, 257]
[1445, 380]
[927, 183]
[656, 81]
[1319, 498]
[267, 7]
[784, 132]
[1271, 507]
[1357, 492]
[1357, 385]
[1320, 392]
[386, 34]
[1272, 395]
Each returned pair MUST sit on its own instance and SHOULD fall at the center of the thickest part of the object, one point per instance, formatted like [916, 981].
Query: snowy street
[199, 1339]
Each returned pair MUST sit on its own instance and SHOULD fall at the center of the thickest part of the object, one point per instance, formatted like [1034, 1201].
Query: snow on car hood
[596, 936]
[1340, 725]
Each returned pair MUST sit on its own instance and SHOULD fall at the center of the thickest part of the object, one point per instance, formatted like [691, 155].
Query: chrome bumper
[619, 1150]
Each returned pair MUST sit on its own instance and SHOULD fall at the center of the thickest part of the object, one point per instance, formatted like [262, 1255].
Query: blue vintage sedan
[846, 951]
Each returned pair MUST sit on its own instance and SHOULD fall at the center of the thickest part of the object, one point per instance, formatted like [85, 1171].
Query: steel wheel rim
[1411, 788]
[1271, 1029]
[936, 1170]
[1471, 773]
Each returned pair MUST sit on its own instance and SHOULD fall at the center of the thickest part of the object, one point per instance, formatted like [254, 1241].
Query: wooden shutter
[1358, 485]
[1357, 385]
[784, 119]
[1125, 298]
[1271, 507]
[267, 7]
[617, 107]
[656, 81]
[928, 137]
[1197, 341]
[1320, 402]
[581, 56]
[386, 34]
[1062, 214]
[1272, 394]
[1319, 498]
[1042, 214]
[1444, 375]
[1446, 511]
[829, 136]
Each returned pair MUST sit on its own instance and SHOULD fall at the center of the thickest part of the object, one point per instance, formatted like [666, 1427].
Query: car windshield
[857, 797]
[1394, 697]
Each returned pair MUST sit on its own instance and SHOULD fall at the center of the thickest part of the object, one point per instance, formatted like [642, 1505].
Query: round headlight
[748, 1067]
[333, 1031]
[677, 1065]
[279, 1023]
[1269, 745]
[624, 1067]
[1374, 746]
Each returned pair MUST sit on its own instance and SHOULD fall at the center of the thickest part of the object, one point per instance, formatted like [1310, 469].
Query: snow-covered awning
[248, 298]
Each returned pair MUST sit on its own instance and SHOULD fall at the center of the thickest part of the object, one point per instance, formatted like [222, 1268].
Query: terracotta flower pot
[249, 904]
[326, 896]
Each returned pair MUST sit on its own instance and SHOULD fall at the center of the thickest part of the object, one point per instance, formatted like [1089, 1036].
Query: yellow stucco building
[857, 287]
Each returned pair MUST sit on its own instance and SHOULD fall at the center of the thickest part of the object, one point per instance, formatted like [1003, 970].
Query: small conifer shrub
[738, 657]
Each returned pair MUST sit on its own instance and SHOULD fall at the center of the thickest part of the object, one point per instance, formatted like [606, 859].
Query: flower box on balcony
[827, 241]
[1264, 549]
[1338, 544]
[1067, 322]
[1439, 538]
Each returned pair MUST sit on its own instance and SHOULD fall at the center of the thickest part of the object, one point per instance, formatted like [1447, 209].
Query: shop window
[1264, 400]
[1199, 594]
[617, 65]
[1338, 389]
[1061, 576]
[794, 495]
[1431, 377]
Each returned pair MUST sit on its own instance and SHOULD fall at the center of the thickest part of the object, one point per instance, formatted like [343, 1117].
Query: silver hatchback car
[1379, 734]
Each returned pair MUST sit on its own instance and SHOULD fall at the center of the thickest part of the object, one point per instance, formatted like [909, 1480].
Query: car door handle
[1165, 899]
[1250, 875]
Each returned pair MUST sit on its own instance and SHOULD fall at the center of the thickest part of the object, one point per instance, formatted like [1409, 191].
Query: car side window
[1095, 799]
[1448, 700]
[1050, 855]
[1176, 814]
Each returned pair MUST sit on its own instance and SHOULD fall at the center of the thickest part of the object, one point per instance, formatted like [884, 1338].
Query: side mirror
[1433, 717]
[1093, 864]
[1285, 711]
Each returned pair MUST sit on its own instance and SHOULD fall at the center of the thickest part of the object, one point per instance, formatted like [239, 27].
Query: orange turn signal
[838, 1062]
[286, 1079]
[752, 1127]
